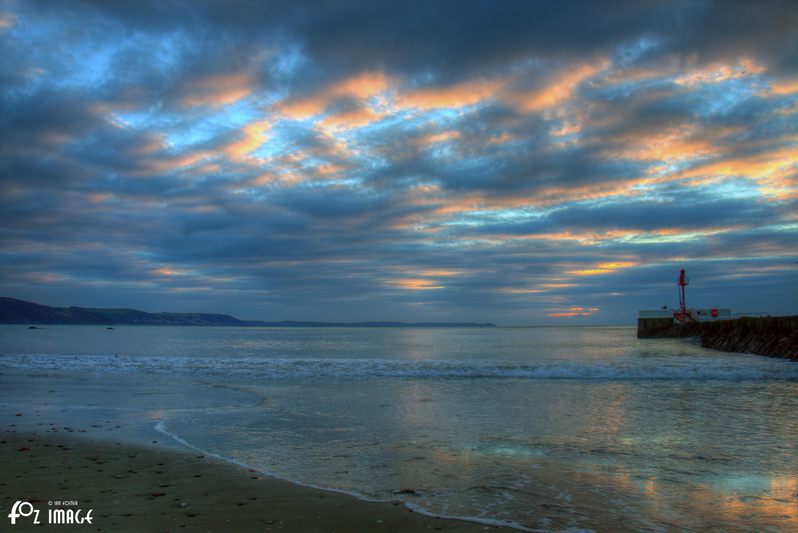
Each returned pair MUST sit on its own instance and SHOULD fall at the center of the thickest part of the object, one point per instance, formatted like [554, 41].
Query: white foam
[161, 428]
[723, 367]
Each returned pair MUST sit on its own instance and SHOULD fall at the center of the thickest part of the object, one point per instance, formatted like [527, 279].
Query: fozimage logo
[58, 515]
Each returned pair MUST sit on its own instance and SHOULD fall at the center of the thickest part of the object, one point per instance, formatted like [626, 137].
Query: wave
[162, 428]
[728, 368]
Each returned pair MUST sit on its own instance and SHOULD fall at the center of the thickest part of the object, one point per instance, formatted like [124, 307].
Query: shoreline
[137, 488]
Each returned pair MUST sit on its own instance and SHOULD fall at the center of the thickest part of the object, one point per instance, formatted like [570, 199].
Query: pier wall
[652, 328]
[773, 336]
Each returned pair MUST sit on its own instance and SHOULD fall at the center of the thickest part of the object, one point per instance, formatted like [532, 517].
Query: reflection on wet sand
[597, 472]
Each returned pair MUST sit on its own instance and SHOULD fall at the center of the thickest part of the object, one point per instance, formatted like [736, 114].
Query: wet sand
[133, 488]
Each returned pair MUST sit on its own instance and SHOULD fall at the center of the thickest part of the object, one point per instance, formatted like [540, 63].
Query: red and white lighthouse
[682, 315]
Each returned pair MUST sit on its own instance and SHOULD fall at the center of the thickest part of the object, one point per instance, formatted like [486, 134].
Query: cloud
[785, 87]
[217, 89]
[7, 20]
[460, 95]
[717, 73]
[348, 120]
[575, 311]
[520, 163]
[252, 136]
[359, 87]
[560, 90]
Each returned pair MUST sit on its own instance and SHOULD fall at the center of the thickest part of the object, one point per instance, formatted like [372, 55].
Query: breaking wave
[751, 368]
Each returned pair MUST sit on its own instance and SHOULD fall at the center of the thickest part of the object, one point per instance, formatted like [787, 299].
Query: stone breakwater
[773, 336]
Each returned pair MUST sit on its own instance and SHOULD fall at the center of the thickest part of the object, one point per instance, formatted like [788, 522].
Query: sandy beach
[132, 488]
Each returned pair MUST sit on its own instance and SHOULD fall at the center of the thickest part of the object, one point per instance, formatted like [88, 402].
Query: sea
[541, 428]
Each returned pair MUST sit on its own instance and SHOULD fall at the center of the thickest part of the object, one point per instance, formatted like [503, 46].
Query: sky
[523, 163]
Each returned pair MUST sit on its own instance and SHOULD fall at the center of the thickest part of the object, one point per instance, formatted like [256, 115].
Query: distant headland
[13, 311]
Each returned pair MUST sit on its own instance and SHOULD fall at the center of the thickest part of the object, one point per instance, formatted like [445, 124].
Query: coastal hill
[13, 311]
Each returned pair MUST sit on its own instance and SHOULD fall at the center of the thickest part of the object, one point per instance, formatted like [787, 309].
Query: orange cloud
[440, 272]
[559, 194]
[773, 170]
[202, 209]
[218, 89]
[100, 197]
[423, 280]
[559, 91]
[263, 179]
[567, 129]
[461, 95]
[604, 268]
[330, 169]
[169, 272]
[433, 138]
[510, 290]
[290, 168]
[415, 284]
[210, 168]
[502, 138]
[537, 288]
[673, 144]
[440, 206]
[350, 120]
[784, 87]
[575, 311]
[301, 109]
[174, 163]
[718, 72]
[150, 144]
[360, 87]
[586, 238]
[253, 135]
[7, 20]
